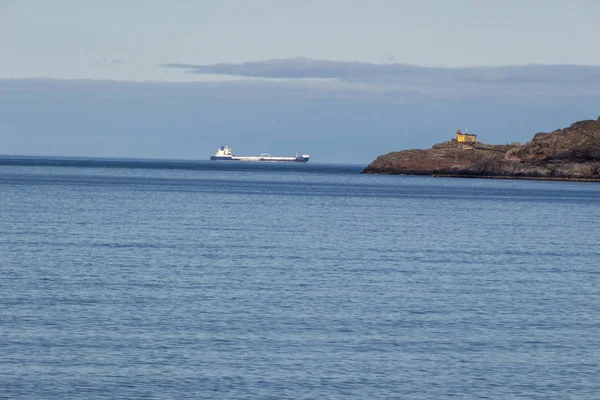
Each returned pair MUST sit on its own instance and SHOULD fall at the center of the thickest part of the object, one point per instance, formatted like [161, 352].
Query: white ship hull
[225, 154]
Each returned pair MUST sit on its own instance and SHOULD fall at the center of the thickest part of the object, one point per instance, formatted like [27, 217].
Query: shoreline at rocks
[521, 178]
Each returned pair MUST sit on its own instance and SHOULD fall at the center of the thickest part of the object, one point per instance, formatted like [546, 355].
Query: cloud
[302, 67]
[306, 68]
[104, 60]
[508, 83]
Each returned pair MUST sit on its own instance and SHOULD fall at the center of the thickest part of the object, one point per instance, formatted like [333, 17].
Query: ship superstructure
[224, 153]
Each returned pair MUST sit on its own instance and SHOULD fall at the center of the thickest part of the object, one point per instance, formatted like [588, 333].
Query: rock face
[570, 153]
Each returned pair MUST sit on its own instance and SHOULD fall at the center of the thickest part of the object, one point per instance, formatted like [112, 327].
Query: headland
[571, 153]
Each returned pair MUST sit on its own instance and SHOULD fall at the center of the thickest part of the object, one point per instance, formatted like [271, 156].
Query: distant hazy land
[337, 113]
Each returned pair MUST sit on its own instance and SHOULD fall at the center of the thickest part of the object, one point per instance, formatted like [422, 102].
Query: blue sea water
[185, 280]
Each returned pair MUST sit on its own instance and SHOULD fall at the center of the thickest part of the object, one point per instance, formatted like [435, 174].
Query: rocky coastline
[571, 153]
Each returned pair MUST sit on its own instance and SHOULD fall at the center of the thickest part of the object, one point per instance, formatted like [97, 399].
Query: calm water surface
[123, 279]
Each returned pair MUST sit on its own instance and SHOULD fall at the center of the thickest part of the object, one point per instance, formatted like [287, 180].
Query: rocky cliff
[570, 153]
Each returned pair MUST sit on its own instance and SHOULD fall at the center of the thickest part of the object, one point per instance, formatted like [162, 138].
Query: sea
[159, 279]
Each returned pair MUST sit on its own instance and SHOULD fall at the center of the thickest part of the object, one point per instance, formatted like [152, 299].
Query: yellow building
[465, 137]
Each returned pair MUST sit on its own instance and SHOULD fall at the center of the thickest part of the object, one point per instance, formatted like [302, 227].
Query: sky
[391, 61]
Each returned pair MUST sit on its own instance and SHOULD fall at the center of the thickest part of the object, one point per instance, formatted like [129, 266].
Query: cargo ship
[225, 154]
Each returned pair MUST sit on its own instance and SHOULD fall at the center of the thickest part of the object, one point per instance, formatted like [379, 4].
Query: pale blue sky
[340, 102]
[127, 40]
